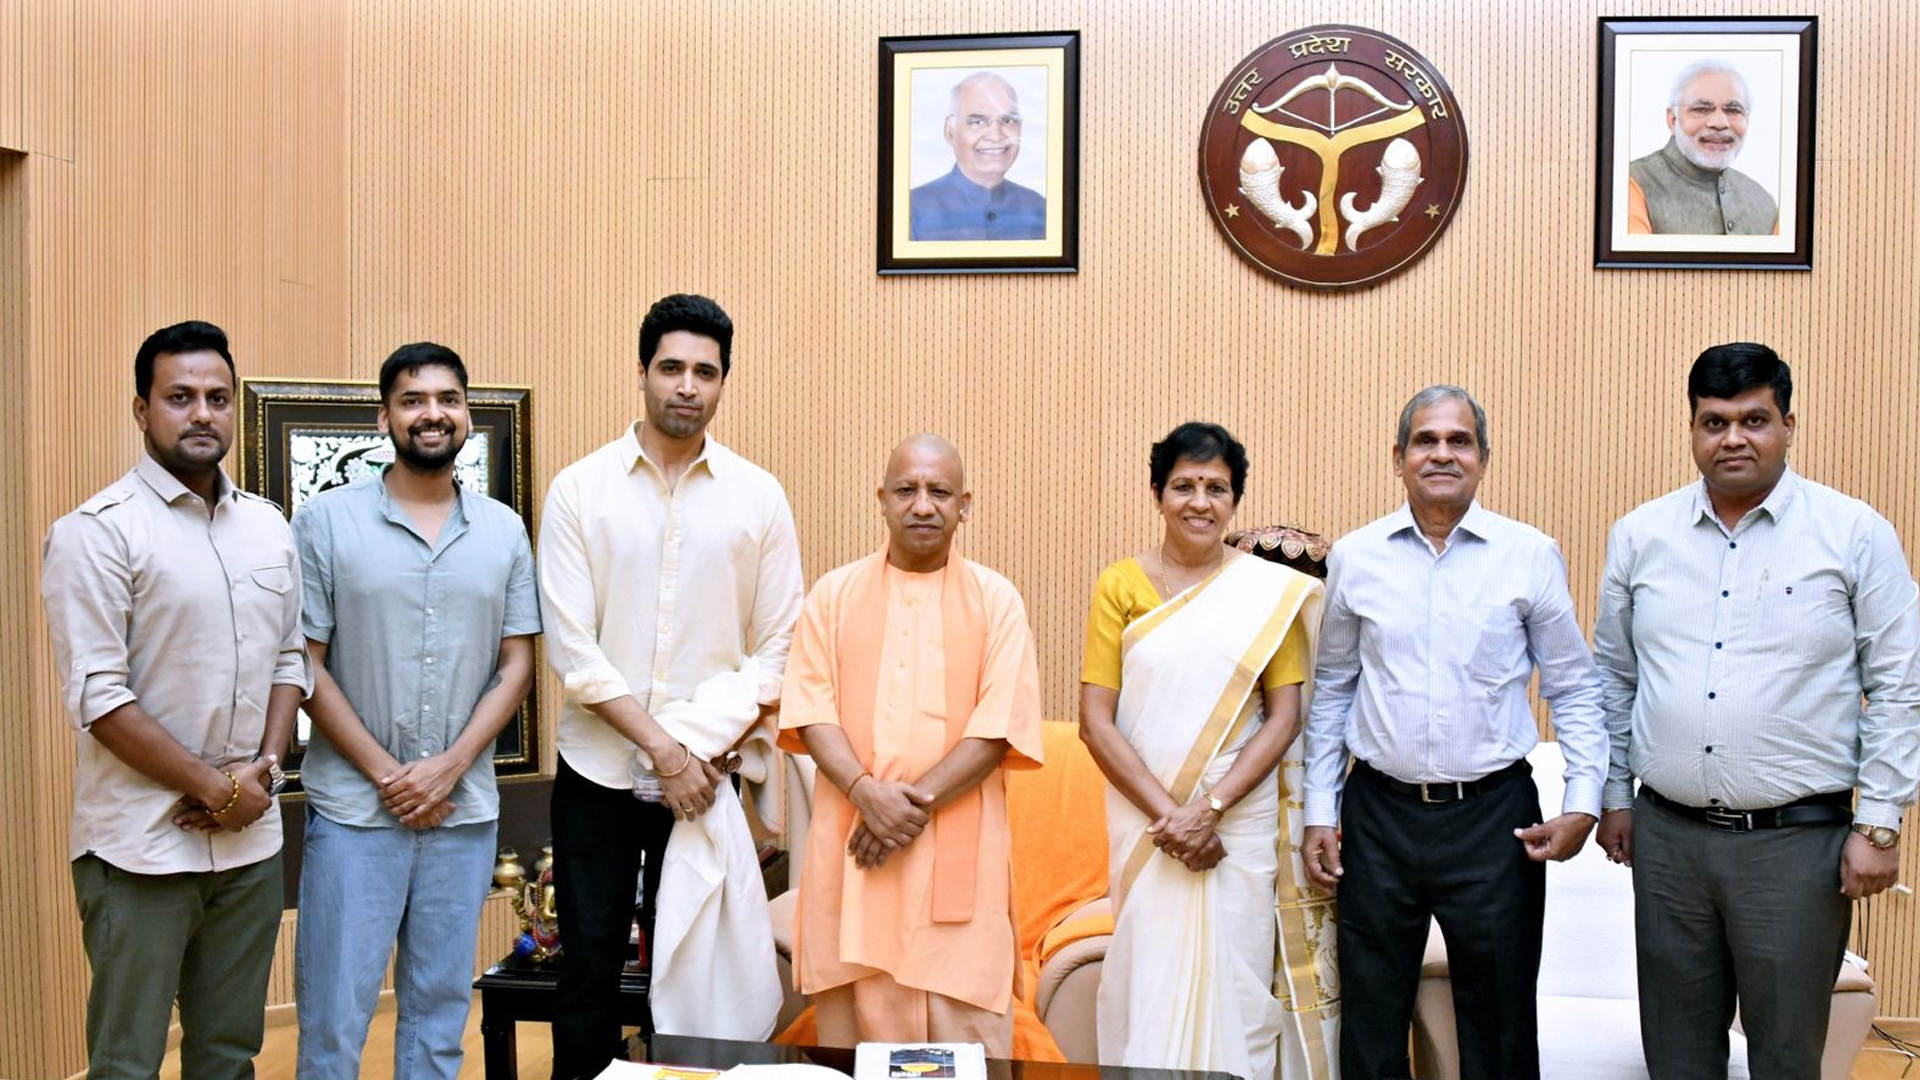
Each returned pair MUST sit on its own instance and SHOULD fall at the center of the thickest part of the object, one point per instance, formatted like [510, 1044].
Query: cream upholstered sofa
[1589, 998]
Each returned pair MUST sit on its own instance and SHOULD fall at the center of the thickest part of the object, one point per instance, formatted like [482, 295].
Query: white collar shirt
[1424, 659]
[648, 589]
[1734, 661]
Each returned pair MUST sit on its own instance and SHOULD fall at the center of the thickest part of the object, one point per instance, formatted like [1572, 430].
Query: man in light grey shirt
[1742, 620]
[1437, 617]
[173, 602]
[420, 613]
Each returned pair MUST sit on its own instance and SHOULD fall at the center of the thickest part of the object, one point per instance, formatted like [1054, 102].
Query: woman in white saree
[1197, 663]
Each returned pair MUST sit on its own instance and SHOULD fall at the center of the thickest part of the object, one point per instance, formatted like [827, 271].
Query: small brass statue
[534, 901]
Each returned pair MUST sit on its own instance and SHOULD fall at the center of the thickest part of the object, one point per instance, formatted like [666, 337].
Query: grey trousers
[1755, 917]
[203, 939]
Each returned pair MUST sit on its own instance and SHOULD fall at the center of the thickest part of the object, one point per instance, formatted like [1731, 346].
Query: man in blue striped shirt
[1437, 617]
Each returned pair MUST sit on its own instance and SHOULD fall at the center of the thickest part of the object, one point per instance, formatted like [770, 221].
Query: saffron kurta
[853, 923]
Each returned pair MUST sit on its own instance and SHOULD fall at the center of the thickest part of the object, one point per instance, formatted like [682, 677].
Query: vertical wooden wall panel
[520, 181]
[729, 149]
[185, 159]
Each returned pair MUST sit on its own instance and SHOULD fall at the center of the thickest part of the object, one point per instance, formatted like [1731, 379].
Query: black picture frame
[918, 75]
[300, 437]
[1778, 59]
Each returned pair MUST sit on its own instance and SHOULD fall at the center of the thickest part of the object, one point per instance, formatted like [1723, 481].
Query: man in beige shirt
[665, 559]
[173, 601]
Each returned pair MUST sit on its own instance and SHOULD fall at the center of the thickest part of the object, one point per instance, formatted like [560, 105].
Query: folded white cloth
[714, 971]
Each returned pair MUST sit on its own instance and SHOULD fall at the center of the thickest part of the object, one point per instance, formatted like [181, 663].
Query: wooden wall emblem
[1333, 157]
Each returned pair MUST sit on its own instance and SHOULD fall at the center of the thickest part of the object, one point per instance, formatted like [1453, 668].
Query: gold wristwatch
[1879, 836]
[1214, 802]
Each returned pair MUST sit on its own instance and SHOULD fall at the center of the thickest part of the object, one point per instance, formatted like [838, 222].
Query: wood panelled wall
[521, 180]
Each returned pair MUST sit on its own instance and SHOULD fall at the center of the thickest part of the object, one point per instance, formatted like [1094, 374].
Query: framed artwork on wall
[299, 438]
[1706, 147]
[979, 154]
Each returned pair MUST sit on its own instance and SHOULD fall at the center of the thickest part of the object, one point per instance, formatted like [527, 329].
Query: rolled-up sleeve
[778, 593]
[568, 607]
[86, 588]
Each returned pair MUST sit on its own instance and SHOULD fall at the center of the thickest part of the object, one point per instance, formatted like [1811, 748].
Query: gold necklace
[1160, 557]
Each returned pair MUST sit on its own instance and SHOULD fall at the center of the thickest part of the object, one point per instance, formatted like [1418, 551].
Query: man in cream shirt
[173, 602]
[665, 559]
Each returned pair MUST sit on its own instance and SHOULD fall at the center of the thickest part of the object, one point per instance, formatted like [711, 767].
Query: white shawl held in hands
[714, 971]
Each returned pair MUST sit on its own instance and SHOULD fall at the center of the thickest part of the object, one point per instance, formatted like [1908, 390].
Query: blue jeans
[361, 891]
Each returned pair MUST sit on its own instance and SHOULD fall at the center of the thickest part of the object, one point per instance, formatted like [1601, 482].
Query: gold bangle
[232, 800]
[684, 762]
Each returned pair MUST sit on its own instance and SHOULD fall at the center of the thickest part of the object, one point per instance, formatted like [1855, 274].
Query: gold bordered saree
[1231, 969]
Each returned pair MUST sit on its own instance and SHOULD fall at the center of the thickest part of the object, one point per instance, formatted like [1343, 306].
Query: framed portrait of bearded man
[1706, 143]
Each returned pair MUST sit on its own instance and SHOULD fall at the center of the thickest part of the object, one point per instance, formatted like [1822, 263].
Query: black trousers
[599, 836]
[1408, 862]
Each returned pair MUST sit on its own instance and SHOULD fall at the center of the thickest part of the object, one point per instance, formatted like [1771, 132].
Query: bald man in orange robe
[913, 684]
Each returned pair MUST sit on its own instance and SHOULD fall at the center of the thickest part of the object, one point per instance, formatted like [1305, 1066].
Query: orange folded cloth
[1031, 1039]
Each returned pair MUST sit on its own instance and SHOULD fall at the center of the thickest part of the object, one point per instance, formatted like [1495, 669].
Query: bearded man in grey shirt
[1742, 621]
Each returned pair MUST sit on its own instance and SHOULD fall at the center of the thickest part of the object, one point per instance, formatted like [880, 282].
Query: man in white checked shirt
[1437, 617]
[1742, 620]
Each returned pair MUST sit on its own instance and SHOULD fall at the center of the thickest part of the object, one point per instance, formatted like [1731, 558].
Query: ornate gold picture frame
[299, 438]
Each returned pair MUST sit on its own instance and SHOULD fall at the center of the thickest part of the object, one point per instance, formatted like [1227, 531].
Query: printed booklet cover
[920, 1061]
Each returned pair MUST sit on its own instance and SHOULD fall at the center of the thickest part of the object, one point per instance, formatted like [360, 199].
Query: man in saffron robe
[913, 684]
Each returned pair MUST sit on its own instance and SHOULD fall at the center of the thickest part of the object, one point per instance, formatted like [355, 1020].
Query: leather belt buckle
[1732, 821]
[1453, 790]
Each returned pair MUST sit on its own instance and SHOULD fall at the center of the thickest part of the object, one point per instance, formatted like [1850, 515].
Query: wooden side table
[517, 989]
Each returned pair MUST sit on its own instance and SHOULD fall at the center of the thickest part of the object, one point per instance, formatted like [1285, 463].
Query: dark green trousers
[204, 940]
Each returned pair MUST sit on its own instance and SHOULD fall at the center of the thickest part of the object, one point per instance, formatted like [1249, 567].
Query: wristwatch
[1214, 802]
[1879, 836]
[276, 780]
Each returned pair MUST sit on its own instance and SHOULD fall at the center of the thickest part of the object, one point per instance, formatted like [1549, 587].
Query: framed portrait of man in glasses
[979, 153]
[1706, 143]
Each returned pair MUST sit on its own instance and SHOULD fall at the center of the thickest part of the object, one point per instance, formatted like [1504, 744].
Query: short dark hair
[1727, 371]
[412, 357]
[1434, 395]
[182, 337]
[1199, 442]
[695, 315]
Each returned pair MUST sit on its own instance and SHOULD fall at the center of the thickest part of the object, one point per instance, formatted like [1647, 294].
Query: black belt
[1445, 791]
[1827, 808]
